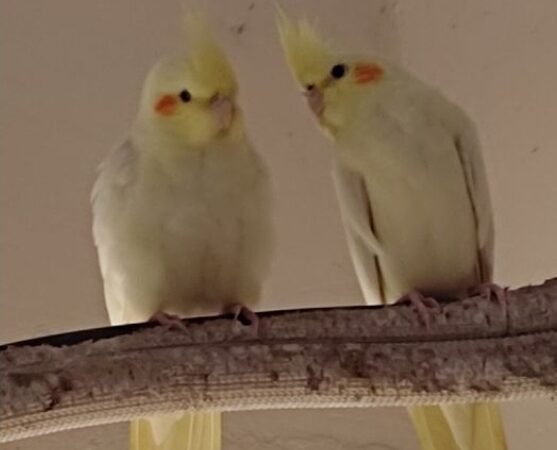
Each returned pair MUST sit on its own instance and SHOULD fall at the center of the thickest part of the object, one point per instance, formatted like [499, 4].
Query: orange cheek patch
[367, 73]
[166, 105]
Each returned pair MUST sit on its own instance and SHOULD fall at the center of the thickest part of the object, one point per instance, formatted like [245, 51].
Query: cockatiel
[413, 197]
[182, 214]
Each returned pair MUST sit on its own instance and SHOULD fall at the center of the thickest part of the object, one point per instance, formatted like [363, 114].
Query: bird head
[192, 98]
[332, 83]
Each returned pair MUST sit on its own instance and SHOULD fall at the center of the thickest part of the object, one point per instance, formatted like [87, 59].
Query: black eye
[185, 96]
[310, 87]
[338, 71]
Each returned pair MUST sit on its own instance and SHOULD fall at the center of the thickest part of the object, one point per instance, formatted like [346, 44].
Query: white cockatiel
[413, 196]
[182, 214]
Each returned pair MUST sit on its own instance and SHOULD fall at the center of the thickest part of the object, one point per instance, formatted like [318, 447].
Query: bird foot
[243, 314]
[425, 306]
[491, 291]
[170, 321]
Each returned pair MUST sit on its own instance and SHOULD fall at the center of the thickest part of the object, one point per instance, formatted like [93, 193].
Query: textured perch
[341, 357]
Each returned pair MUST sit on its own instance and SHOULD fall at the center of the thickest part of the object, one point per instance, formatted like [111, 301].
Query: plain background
[70, 76]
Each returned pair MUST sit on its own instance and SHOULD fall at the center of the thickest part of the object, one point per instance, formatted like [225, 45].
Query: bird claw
[170, 321]
[423, 305]
[243, 314]
[491, 291]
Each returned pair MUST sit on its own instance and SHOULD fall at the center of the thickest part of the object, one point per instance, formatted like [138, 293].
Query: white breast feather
[183, 238]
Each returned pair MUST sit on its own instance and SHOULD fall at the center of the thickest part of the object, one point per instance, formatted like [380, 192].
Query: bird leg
[170, 321]
[491, 291]
[422, 304]
[243, 314]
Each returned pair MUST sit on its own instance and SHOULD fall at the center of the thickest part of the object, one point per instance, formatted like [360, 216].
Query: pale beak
[315, 101]
[223, 111]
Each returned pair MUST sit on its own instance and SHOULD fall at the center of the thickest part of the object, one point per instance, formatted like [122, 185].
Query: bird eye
[310, 87]
[338, 71]
[185, 96]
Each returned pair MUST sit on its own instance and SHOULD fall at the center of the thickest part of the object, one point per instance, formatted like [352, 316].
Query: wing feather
[116, 175]
[469, 152]
[364, 247]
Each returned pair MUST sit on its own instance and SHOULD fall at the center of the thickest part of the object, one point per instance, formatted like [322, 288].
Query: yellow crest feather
[205, 57]
[308, 55]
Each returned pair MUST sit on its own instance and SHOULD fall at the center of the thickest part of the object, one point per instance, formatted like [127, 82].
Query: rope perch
[339, 357]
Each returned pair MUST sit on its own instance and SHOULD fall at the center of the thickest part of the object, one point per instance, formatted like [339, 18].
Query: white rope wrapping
[342, 357]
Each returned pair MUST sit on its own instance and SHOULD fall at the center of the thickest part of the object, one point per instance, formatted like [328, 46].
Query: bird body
[182, 215]
[415, 191]
[412, 193]
[183, 235]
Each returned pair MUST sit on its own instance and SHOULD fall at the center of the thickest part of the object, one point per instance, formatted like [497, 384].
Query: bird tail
[181, 431]
[471, 426]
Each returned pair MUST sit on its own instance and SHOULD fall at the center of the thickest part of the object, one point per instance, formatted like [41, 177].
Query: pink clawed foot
[169, 320]
[491, 291]
[424, 305]
[243, 314]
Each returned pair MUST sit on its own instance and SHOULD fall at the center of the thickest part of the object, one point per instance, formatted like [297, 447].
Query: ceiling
[70, 76]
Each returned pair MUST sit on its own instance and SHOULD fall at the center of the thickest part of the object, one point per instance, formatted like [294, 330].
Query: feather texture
[306, 51]
[184, 431]
[426, 231]
[422, 188]
[206, 60]
[185, 237]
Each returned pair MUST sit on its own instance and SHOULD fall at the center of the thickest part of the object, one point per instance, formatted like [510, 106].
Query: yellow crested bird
[181, 215]
[413, 197]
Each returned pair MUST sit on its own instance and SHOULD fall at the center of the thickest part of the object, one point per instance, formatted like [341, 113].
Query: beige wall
[70, 75]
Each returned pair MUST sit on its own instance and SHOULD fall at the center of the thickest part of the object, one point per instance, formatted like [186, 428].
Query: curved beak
[315, 101]
[222, 108]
